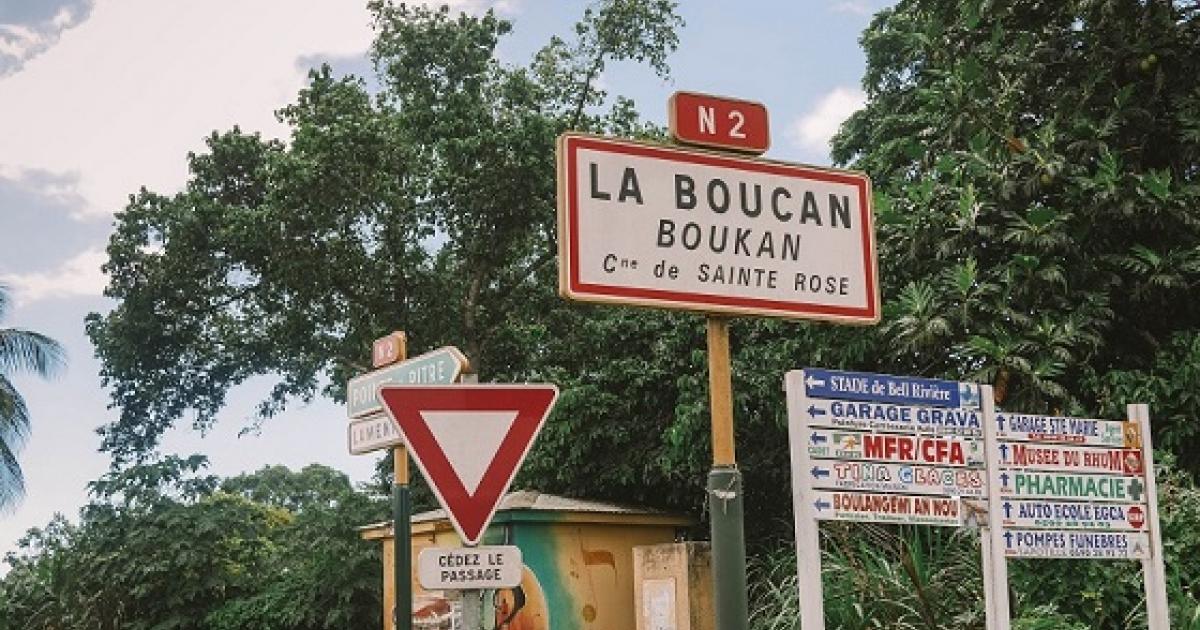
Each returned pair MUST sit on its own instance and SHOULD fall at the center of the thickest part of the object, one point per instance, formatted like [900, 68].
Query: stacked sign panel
[1069, 487]
[886, 449]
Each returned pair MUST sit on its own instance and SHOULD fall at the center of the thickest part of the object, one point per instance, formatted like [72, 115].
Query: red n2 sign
[716, 121]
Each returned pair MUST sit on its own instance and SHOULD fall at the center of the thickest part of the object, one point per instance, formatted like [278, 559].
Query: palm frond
[24, 350]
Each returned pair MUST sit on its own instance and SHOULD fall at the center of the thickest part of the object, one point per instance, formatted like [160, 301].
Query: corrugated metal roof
[534, 500]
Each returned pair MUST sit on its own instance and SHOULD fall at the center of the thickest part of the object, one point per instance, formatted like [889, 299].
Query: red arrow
[469, 441]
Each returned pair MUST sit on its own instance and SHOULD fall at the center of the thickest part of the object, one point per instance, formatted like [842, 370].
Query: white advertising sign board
[1049, 485]
[1054, 457]
[1060, 429]
[1072, 515]
[1048, 543]
[898, 478]
[894, 447]
[873, 416]
[897, 509]
[661, 226]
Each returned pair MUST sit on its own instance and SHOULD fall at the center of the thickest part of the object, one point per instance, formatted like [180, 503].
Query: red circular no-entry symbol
[1136, 517]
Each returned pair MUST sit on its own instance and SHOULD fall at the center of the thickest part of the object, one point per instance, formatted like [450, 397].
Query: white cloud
[123, 96]
[78, 276]
[856, 7]
[813, 130]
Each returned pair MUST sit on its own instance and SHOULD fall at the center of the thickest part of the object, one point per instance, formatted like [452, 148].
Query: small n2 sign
[716, 121]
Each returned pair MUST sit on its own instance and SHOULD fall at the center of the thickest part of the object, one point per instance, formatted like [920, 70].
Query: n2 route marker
[469, 441]
[719, 122]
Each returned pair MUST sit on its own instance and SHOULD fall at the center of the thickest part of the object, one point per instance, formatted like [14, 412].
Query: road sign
[469, 441]
[1042, 543]
[388, 349]
[1034, 456]
[897, 478]
[1060, 429]
[1048, 485]
[372, 434]
[1072, 515]
[438, 367]
[884, 388]
[469, 568]
[886, 508]
[894, 447]
[719, 122]
[842, 414]
[660, 226]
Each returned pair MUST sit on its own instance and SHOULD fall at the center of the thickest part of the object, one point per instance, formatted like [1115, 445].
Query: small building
[578, 558]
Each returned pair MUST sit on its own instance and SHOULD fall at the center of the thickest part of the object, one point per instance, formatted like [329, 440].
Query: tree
[163, 546]
[20, 351]
[428, 207]
[1036, 167]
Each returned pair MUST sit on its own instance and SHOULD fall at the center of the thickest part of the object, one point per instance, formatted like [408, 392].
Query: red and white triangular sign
[469, 441]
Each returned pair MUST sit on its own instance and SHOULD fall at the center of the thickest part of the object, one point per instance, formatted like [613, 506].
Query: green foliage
[1037, 164]
[429, 207]
[20, 351]
[930, 578]
[160, 547]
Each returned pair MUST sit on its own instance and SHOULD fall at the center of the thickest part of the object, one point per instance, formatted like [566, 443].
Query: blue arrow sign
[815, 411]
[836, 384]
[1007, 510]
[1004, 452]
[822, 505]
[819, 472]
[817, 438]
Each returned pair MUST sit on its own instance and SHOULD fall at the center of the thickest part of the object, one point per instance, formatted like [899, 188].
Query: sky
[101, 97]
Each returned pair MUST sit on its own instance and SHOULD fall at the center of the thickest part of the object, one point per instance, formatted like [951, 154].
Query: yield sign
[469, 441]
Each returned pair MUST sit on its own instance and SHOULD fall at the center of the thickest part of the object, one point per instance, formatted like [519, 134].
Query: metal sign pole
[1153, 574]
[997, 592]
[808, 540]
[725, 489]
[402, 540]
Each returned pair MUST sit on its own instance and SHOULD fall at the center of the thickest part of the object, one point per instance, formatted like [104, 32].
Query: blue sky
[100, 97]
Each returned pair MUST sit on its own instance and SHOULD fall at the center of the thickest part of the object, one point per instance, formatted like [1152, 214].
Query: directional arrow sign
[1043, 543]
[842, 414]
[887, 508]
[1030, 484]
[1072, 515]
[439, 367]
[371, 434]
[897, 448]
[1060, 429]
[469, 441]
[1071, 459]
[904, 390]
[898, 478]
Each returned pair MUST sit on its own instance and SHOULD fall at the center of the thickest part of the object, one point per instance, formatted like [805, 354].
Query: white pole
[808, 540]
[985, 551]
[1158, 614]
[998, 587]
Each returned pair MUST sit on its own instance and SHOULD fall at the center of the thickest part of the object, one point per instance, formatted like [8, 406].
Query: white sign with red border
[469, 441]
[660, 226]
[1033, 456]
